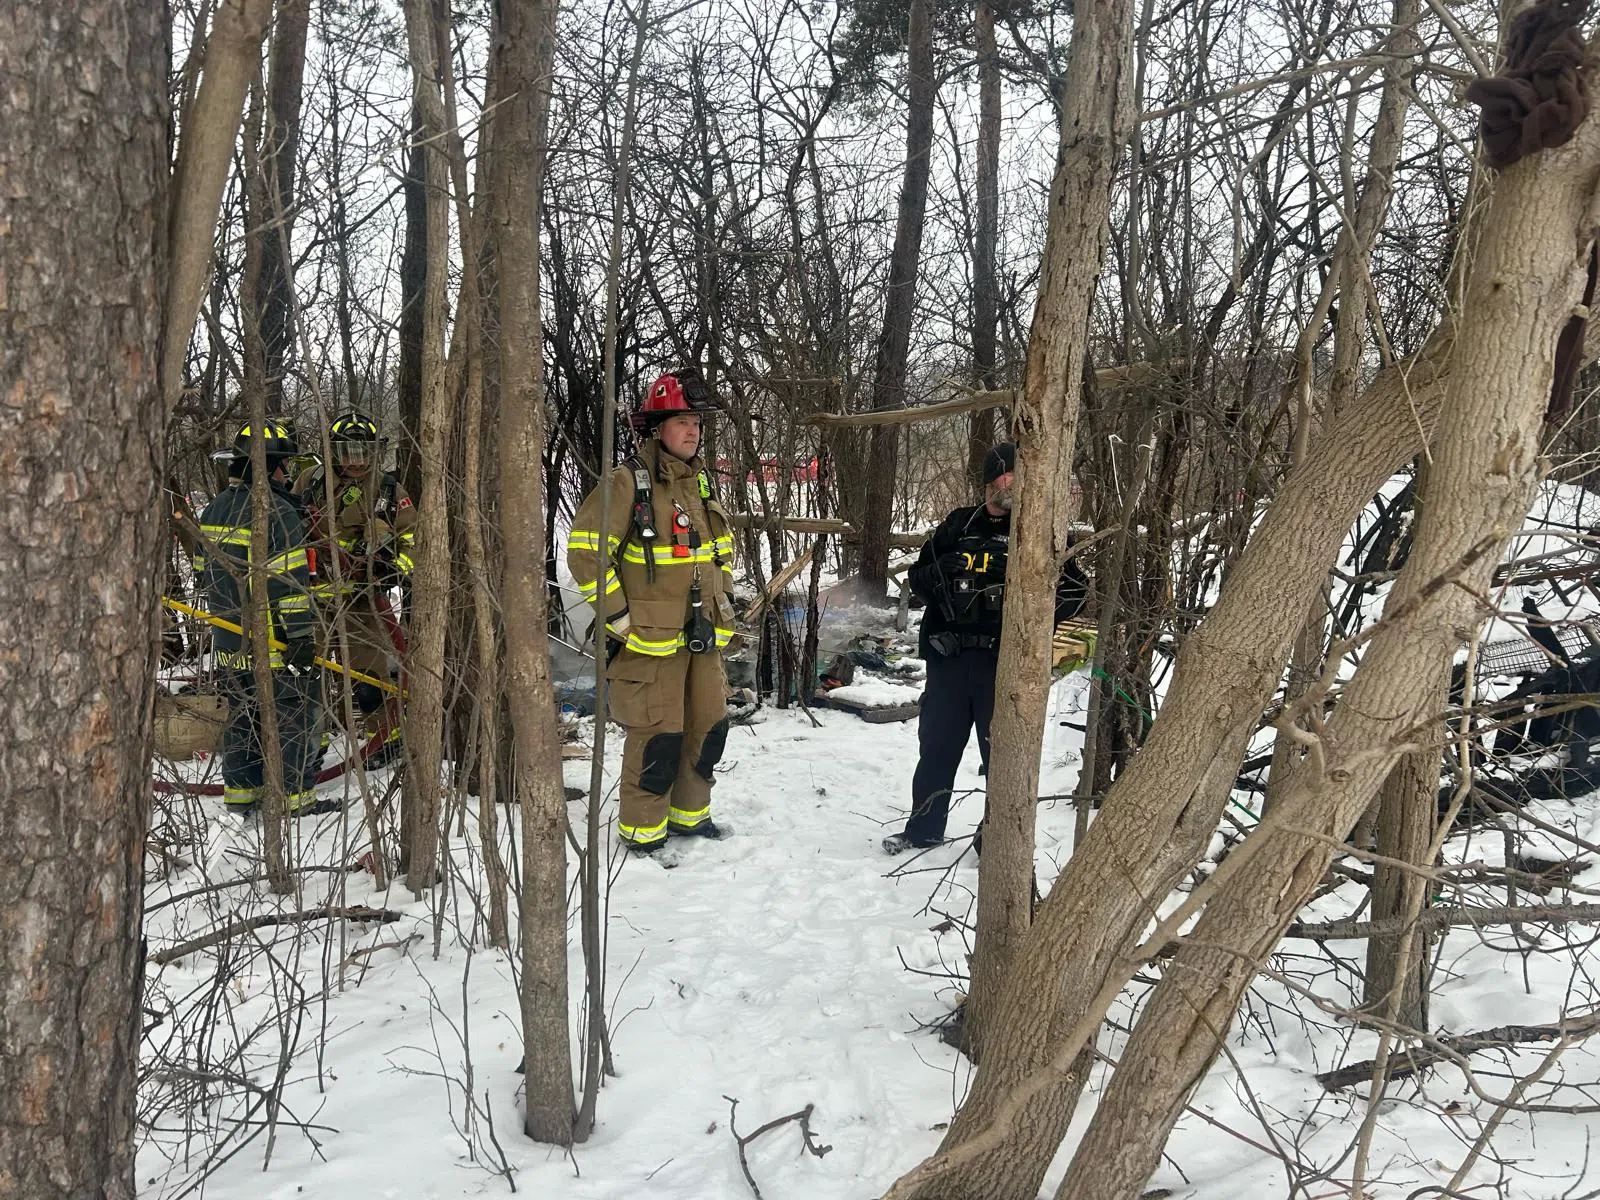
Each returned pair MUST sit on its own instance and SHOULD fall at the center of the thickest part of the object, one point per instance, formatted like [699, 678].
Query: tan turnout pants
[676, 714]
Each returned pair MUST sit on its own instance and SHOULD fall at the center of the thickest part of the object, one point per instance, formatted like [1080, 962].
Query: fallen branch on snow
[1448, 1049]
[1441, 918]
[357, 912]
[803, 1117]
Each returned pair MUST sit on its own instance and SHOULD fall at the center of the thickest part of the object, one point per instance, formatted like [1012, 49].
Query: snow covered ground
[792, 964]
[783, 967]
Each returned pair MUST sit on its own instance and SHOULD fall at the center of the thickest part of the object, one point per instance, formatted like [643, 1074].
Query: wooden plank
[779, 582]
[882, 715]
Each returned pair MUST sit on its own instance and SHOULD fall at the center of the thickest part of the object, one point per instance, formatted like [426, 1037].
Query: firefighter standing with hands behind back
[660, 580]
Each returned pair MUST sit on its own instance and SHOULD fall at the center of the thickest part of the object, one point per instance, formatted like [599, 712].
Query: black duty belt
[950, 643]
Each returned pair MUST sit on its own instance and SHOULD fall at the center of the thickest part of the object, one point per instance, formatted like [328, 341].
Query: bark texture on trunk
[431, 579]
[1527, 272]
[1408, 810]
[894, 344]
[1097, 114]
[83, 258]
[205, 156]
[523, 58]
[482, 571]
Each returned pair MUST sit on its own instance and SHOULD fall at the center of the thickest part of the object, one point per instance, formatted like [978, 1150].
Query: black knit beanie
[1000, 460]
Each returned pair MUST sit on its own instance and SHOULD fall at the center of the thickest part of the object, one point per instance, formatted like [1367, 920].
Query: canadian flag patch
[405, 501]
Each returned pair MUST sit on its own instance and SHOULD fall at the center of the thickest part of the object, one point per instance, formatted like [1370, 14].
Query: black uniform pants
[959, 694]
[296, 702]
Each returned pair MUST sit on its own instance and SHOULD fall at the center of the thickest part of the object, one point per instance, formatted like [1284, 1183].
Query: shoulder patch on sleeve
[405, 501]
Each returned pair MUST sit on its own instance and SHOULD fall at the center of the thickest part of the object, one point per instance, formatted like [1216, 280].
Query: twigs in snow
[803, 1117]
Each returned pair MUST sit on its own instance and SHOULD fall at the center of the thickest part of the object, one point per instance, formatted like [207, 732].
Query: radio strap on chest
[643, 522]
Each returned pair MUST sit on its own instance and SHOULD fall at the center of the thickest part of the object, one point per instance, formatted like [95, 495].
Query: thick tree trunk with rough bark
[83, 271]
[894, 344]
[431, 579]
[1527, 273]
[1097, 114]
[523, 58]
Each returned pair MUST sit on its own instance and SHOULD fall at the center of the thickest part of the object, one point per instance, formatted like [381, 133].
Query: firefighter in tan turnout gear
[372, 530]
[661, 579]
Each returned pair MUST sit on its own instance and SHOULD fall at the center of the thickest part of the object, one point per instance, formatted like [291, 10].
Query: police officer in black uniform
[960, 576]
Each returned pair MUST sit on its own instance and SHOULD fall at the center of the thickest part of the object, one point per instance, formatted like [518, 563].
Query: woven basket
[188, 726]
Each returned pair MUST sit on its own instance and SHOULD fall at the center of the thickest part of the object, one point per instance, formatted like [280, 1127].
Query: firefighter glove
[300, 657]
[384, 572]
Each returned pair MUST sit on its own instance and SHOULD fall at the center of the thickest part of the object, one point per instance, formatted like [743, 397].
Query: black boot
[706, 829]
[899, 843]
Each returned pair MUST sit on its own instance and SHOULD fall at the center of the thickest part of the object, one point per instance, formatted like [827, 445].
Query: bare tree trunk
[1527, 273]
[258, 626]
[894, 344]
[254, 613]
[986, 238]
[524, 54]
[205, 155]
[431, 579]
[484, 576]
[413, 277]
[1156, 819]
[339, 218]
[279, 151]
[1409, 803]
[81, 534]
[593, 937]
[1098, 111]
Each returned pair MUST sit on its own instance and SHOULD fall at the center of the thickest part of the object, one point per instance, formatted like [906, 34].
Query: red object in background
[806, 472]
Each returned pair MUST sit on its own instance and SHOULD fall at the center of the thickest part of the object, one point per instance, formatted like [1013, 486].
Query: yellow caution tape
[328, 663]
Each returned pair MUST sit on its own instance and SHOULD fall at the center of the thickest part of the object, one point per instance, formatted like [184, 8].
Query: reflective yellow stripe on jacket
[670, 646]
[588, 539]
